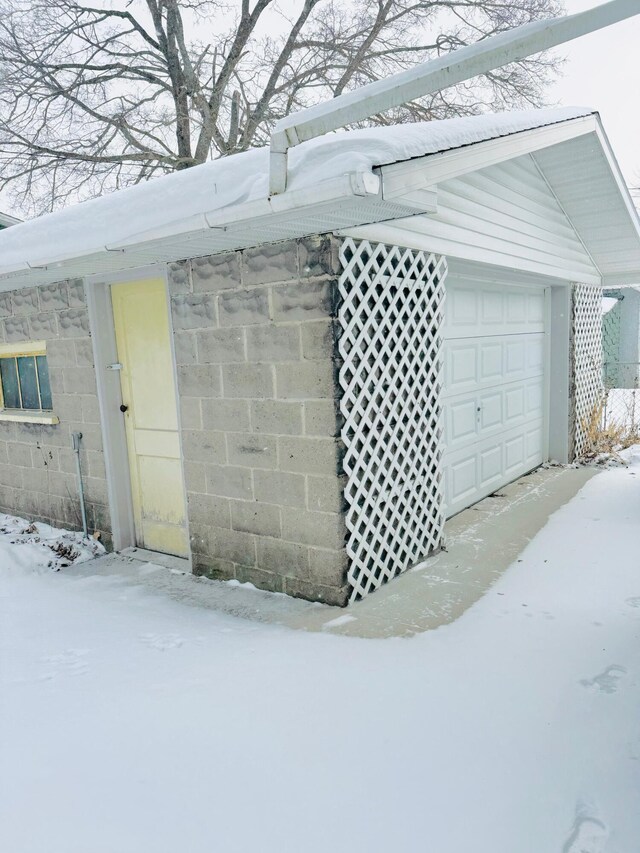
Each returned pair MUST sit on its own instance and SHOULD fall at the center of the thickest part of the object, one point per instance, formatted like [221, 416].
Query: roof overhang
[589, 186]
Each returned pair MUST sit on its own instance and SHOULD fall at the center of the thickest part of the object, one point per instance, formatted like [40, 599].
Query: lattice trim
[390, 317]
[587, 358]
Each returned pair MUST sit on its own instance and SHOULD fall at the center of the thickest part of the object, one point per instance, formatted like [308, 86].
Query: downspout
[434, 76]
[75, 443]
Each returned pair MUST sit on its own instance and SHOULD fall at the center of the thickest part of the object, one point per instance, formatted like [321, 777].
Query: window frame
[25, 349]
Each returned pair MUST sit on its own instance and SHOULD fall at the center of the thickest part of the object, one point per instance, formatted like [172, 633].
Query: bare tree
[94, 98]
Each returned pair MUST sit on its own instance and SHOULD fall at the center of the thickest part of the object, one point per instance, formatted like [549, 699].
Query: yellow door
[148, 391]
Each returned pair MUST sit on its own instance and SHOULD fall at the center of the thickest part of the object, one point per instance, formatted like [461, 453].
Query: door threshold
[169, 561]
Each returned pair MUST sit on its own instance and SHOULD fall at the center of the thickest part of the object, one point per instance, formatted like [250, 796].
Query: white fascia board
[197, 222]
[616, 172]
[345, 186]
[428, 171]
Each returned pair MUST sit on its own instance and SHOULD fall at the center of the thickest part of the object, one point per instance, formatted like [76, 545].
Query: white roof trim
[325, 197]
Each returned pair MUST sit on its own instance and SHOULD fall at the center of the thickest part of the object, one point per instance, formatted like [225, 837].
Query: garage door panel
[474, 472]
[488, 309]
[472, 418]
[494, 388]
[462, 366]
[491, 410]
[488, 362]
[463, 420]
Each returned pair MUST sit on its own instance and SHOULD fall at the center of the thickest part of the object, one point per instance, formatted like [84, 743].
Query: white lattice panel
[587, 357]
[391, 316]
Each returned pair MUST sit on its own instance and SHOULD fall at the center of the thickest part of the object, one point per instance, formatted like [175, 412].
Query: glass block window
[24, 378]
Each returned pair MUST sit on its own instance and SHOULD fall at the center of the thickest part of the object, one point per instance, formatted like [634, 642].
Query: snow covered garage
[297, 391]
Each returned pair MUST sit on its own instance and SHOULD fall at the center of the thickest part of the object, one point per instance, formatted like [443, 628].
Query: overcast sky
[603, 72]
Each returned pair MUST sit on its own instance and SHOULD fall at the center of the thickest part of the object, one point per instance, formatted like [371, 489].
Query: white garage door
[494, 387]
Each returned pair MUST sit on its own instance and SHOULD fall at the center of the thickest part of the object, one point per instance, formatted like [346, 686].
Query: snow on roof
[224, 183]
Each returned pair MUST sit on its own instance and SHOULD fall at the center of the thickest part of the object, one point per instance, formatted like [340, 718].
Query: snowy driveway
[130, 723]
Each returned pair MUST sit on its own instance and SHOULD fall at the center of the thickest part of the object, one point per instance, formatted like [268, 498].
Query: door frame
[114, 438]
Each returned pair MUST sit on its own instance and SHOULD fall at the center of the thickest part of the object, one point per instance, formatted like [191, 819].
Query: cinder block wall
[37, 464]
[254, 336]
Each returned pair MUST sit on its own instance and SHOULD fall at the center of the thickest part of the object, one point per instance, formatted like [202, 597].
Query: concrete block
[220, 346]
[320, 418]
[308, 455]
[184, 344]
[270, 262]
[25, 301]
[260, 578]
[277, 417]
[244, 307]
[212, 568]
[216, 272]
[77, 297]
[95, 489]
[283, 558]
[225, 544]
[199, 380]
[63, 485]
[190, 414]
[179, 277]
[194, 477]
[6, 306]
[19, 454]
[194, 311]
[325, 494]
[252, 451]
[276, 487]
[317, 340]
[204, 446]
[67, 460]
[303, 301]
[56, 380]
[68, 407]
[273, 343]
[73, 323]
[43, 326]
[306, 380]
[84, 352]
[90, 409]
[91, 435]
[247, 380]
[328, 567]
[227, 415]
[318, 256]
[44, 457]
[8, 431]
[253, 517]
[61, 354]
[76, 380]
[97, 468]
[229, 481]
[16, 329]
[54, 297]
[208, 509]
[36, 480]
[335, 596]
[322, 529]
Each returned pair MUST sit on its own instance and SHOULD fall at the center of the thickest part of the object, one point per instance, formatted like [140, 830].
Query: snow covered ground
[131, 723]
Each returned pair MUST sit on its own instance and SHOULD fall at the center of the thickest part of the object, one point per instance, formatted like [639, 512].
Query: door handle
[123, 408]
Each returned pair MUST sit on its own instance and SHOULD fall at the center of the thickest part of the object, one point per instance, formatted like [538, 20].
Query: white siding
[505, 215]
